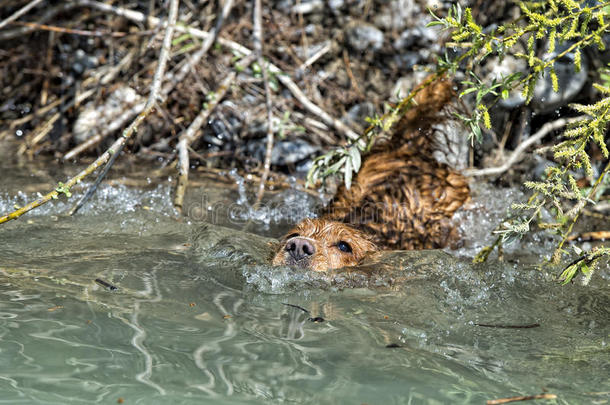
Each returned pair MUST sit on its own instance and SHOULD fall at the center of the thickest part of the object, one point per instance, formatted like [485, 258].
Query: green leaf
[568, 274]
[334, 168]
[577, 59]
[273, 84]
[348, 173]
[356, 160]
[467, 91]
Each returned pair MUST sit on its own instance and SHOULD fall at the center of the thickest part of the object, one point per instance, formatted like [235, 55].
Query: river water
[196, 315]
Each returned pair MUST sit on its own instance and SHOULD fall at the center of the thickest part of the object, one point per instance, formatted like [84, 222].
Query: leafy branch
[558, 20]
[542, 25]
[347, 159]
[585, 265]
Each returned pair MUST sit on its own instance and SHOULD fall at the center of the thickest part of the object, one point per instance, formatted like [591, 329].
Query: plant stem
[564, 238]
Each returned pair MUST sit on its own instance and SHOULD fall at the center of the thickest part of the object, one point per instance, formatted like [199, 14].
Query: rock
[308, 7]
[406, 40]
[291, 152]
[406, 84]
[284, 5]
[545, 99]
[364, 37]
[311, 50]
[434, 5]
[570, 81]
[498, 70]
[284, 152]
[226, 123]
[421, 36]
[93, 118]
[407, 60]
[357, 114]
[400, 15]
[336, 5]
[83, 62]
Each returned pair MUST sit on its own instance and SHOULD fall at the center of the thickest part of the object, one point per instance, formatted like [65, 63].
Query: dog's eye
[292, 235]
[344, 247]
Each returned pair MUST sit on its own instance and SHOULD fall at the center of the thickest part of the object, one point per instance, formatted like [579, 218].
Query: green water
[194, 322]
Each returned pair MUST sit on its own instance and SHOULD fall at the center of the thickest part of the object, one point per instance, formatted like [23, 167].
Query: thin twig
[234, 46]
[20, 12]
[183, 172]
[518, 153]
[313, 58]
[87, 33]
[76, 179]
[520, 398]
[164, 54]
[115, 125]
[118, 144]
[258, 50]
[150, 103]
[196, 57]
[192, 133]
[589, 236]
[564, 237]
[47, 65]
[48, 15]
[310, 106]
[350, 74]
[42, 130]
[118, 122]
[39, 133]
[503, 326]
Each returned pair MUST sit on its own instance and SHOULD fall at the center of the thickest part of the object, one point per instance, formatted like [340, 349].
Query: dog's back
[402, 196]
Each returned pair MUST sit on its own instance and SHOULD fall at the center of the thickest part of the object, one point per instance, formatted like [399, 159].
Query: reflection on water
[199, 317]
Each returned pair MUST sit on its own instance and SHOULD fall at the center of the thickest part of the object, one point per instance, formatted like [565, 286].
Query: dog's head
[320, 244]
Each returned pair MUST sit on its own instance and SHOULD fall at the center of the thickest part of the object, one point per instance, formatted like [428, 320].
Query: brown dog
[402, 198]
[321, 244]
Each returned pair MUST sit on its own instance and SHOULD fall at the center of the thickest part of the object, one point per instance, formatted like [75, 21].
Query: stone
[364, 37]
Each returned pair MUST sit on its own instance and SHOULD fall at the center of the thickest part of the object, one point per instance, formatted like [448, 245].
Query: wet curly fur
[325, 239]
[402, 198]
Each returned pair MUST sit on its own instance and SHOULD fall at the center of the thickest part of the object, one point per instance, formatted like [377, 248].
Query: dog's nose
[300, 248]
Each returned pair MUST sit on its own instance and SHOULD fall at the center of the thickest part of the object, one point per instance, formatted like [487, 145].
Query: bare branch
[192, 133]
[313, 58]
[518, 153]
[258, 50]
[110, 155]
[196, 57]
[150, 103]
[49, 14]
[234, 46]
[20, 12]
[167, 88]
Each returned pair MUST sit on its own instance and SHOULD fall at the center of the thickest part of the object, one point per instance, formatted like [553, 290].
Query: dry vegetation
[75, 74]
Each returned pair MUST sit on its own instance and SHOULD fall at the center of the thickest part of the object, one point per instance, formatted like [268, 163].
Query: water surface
[199, 317]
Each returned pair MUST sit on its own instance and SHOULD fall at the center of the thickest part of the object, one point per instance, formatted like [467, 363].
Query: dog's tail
[433, 104]
[403, 195]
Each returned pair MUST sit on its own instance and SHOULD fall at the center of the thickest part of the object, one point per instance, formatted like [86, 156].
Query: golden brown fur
[402, 198]
[326, 238]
